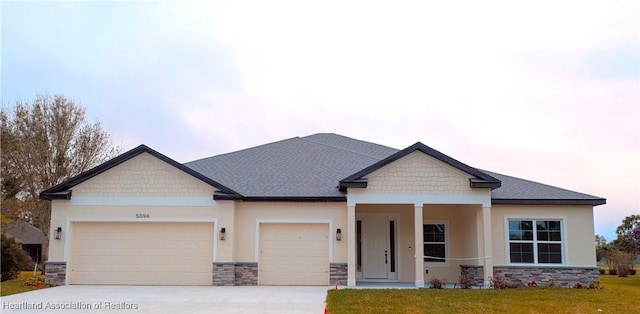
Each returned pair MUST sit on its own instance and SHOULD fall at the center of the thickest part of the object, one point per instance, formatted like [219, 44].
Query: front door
[378, 246]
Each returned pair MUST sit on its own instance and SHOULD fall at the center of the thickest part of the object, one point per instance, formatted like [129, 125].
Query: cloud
[542, 90]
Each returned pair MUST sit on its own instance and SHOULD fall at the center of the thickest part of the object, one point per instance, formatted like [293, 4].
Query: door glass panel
[359, 245]
[392, 245]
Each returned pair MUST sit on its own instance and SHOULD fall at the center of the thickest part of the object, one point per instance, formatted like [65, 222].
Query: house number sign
[142, 215]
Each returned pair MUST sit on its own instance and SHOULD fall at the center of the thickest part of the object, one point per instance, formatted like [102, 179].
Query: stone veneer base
[338, 274]
[522, 275]
[235, 274]
[56, 272]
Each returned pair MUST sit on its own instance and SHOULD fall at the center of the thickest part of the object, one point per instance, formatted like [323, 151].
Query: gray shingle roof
[25, 233]
[516, 190]
[312, 167]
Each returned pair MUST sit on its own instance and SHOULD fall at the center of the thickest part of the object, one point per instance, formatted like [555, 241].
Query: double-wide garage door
[141, 253]
[293, 254]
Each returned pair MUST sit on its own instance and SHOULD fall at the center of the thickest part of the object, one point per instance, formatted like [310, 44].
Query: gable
[418, 173]
[475, 177]
[143, 175]
[118, 184]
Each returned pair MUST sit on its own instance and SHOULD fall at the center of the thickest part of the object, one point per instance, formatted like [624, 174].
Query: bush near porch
[617, 295]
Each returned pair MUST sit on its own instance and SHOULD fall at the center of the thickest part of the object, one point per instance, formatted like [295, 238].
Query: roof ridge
[241, 150]
[306, 138]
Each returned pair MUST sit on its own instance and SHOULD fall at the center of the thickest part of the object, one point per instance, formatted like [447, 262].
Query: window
[535, 241]
[434, 243]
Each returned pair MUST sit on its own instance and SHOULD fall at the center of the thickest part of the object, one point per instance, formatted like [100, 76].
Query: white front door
[378, 244]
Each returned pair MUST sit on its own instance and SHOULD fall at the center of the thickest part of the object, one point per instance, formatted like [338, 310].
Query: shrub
[499, 282]
[13, 258]
[632, 272]
[593, 285]
[466, 281]
[577, 285]
[34, 280]
[621, 262]
[552, 284]
[602, 271]
[437, 283]
[613, 272]
[623, 272]
[532, 284]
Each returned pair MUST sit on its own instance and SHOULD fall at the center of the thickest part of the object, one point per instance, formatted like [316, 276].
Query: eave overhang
[592, 202]
[312, 199]
[477, 183]
[61, 195]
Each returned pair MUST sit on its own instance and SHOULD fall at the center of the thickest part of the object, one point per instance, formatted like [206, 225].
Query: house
[323, 209]
[29, 237]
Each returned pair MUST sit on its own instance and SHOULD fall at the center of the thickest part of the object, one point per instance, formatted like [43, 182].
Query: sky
[542, 90]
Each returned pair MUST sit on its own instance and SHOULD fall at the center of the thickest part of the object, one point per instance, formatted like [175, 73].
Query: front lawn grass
[14, 286]
[18, 285]
[618, 295]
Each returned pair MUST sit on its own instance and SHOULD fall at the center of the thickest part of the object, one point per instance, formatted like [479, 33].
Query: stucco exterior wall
[461, 235]
[143, 188]
[64, 212]
[249, 213]
[143, 175]
[418, 173]
[406, 269]
[578, 230]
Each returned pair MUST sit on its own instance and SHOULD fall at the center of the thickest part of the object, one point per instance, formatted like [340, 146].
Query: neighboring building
[29, 237]
[315, 210]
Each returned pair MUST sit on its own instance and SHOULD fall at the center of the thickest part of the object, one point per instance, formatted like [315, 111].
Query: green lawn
[13, 286]
[618, 295]
[17, 285]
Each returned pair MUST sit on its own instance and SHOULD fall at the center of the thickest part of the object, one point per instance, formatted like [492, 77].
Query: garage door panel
[136, 253]
[294, 254]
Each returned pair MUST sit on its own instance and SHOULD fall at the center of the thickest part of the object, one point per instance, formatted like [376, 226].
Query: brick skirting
[522, 275]
[56, 272]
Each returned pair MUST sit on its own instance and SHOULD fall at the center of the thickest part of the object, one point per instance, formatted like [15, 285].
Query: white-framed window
[535, 241]
[434, 235]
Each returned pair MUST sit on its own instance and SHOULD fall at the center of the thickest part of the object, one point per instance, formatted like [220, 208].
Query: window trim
[447, 242]
[564, 243]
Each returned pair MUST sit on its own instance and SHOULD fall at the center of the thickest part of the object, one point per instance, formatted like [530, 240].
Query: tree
[626, 240]
[14, 258]
[601, 247]
[45, 142]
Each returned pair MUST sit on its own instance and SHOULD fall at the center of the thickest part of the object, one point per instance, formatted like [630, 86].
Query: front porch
[402, 245]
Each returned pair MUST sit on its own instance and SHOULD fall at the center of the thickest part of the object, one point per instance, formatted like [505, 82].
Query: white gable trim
[359, 198]
[142, 201]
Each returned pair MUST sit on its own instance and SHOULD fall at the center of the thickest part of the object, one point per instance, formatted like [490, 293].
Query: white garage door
[141, 253]
[294, 254]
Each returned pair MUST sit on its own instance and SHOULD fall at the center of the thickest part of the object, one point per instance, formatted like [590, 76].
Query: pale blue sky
[543, 90]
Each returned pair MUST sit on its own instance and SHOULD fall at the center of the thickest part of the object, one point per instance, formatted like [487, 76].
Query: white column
[419, 245]
[351, 246]
[488, 247]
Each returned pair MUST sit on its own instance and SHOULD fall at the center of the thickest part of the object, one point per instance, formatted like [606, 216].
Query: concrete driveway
[167, 299]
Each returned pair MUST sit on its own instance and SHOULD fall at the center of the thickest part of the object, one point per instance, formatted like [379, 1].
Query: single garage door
[294, 254]
[141, 253]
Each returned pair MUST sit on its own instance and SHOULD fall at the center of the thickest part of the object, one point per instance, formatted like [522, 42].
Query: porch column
[419, 245]
[351, 246]
[488, 247]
